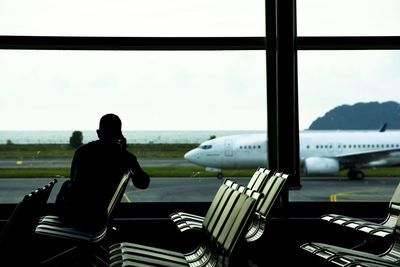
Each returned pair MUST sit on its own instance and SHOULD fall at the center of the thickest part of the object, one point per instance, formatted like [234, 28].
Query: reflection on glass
[349, 122]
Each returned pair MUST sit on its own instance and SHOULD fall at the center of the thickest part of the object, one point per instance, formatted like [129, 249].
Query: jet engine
[315, 165]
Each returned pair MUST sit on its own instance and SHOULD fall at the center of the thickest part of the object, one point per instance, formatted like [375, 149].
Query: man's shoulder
[98, 147]
[129, 154]
[88, 146]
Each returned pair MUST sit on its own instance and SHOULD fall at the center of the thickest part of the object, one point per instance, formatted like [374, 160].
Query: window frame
[282, 82]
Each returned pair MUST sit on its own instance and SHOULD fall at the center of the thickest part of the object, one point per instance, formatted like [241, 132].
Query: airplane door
[339, 148]
[228, 148]
[330, 147]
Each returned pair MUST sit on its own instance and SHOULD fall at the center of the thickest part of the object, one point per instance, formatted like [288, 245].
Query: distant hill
[360, 116]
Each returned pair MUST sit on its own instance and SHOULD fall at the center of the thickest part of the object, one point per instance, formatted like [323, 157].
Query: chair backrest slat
[219, 196]
[394, 250]
[266, 190]
[236, 223]
[259, 178]
[254, 179]
[396, 195]
[273, 193]
[118, 193]
[232, 198]
[240, 221]
[394, 209]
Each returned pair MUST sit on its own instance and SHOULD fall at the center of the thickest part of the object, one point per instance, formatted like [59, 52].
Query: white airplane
[321, 152]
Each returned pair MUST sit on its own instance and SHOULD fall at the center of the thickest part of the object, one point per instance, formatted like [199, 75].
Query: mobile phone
[122, 142]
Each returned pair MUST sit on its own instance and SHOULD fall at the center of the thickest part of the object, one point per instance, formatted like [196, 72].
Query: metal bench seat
[340, 256]
[130, 252]
[58, 228]
[17, 233]
[271, 191]
[86, 243]
[221, 205]
[218, 201]
[223, 229]
[186, 221]
[382, 229]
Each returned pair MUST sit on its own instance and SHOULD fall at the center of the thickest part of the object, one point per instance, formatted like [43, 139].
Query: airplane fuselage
[320, 151]
[231, 152]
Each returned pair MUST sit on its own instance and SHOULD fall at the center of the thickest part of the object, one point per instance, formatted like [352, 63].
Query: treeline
[18, 151]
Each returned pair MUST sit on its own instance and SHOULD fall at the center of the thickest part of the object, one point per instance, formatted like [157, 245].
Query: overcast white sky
[66, 90]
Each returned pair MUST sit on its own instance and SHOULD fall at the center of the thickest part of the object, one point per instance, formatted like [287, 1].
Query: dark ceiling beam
[131, 43]
[193, 43]
[348, 43]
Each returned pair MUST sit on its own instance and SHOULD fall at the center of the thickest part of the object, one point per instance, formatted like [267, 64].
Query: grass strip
[29, 151]
[174, 172]
[34, 172]
[152, 171]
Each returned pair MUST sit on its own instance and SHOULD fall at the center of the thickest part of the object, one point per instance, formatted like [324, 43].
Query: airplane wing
[363, 159]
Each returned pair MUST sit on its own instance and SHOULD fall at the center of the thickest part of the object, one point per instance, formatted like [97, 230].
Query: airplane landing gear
[218, 171]
[355, 175]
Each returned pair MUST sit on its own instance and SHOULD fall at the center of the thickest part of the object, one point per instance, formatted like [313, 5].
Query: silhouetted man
[96, 171]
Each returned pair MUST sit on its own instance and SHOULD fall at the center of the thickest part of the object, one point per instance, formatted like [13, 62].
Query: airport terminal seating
[271, 188]
[186, 221]
[388, 229]
[86, 245]
[382, 229]
[196, 222]
[224, 227]
[271, 192]
[339, 256]
[17, 233]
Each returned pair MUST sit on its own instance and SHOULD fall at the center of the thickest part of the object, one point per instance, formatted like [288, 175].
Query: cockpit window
[206, 146]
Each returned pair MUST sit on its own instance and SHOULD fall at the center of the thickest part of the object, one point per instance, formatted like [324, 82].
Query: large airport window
[169, 103]
[348, 18]
[357, 93]
[153, 18]
[187, 97]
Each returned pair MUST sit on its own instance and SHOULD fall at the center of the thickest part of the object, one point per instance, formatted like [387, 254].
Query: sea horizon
[133, 137]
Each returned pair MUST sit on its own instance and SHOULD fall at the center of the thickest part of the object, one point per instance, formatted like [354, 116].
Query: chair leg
[59, 257]
[101, 256]
[80, 256]
[98, 261]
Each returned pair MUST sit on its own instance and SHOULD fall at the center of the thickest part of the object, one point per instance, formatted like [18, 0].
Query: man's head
[110, 128]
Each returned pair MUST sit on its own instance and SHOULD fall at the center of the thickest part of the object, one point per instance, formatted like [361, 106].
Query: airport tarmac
[66, 162]
[198, 189]
[203, 189]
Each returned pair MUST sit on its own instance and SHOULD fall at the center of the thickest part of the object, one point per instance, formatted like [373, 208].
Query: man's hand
[123, 143]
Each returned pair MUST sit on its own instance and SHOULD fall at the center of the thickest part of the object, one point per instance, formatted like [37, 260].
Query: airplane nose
[189, 155]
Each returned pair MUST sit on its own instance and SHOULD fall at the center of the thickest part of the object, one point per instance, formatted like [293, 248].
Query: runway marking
[358, 193]
[127, 198]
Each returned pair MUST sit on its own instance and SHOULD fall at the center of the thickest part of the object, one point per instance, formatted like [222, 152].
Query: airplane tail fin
[383, 127]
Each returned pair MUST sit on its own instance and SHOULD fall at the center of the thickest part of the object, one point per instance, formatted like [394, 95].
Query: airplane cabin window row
[250, 147]
[357, 146]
